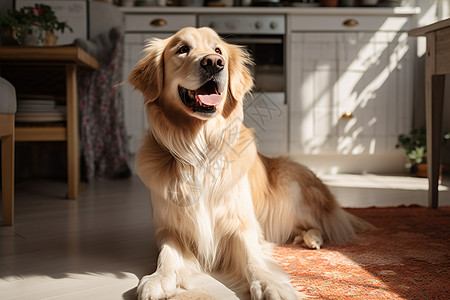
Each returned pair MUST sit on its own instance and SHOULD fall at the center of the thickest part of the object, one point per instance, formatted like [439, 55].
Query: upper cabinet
[349, 83]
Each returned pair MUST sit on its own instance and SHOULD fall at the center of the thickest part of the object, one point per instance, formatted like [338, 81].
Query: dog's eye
[218, 51]
[183, 49]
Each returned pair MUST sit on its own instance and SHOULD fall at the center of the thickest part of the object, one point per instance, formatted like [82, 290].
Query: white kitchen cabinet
[350, 91]
[135, 118]
[266, 113]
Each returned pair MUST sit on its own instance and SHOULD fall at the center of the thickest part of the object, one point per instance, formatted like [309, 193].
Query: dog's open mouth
[204, 99]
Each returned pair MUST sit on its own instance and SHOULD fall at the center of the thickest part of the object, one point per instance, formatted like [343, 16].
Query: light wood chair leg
[73, 152]
[8, 178]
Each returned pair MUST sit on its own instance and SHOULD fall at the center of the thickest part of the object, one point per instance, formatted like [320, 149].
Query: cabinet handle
[158, 22]
[347, 115]
[350, 22]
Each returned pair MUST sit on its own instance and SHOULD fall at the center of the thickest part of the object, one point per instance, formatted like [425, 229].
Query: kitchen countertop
[357, 11]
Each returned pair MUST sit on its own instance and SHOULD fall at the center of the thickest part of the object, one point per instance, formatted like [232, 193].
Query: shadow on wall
[366, 82]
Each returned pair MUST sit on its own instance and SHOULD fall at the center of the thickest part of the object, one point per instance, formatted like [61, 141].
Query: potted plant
[415, 146]
[31, 25]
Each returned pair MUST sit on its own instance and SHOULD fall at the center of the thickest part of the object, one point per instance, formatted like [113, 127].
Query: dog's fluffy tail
[340, 226]
[359, 224]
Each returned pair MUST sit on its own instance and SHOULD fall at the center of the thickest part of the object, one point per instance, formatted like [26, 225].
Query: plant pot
[422, 171]
[33, 37]
[50, 39]
[38, 37]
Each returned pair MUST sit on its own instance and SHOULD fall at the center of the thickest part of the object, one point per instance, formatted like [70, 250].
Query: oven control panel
[244, 24]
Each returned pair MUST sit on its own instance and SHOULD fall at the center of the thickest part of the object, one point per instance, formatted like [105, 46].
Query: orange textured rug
[407, 257]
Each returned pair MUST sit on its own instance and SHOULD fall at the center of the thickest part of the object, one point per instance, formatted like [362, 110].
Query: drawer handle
[347, 115]
[158, 22]
[350, 22]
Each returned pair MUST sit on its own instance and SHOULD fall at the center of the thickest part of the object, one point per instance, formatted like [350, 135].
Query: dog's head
[193, 73]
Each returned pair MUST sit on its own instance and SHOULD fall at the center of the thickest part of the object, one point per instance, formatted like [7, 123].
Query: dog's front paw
[260, 290]
[157, 286]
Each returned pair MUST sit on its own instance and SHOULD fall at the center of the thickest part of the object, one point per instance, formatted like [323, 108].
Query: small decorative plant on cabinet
[415, 146]
[31, 26]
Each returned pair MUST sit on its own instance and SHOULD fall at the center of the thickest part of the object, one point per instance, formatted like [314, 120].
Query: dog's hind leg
[173, 271]
[297, 199]
[311, 238]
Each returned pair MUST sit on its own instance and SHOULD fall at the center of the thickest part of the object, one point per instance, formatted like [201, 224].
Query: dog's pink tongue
[209, 99]
[208, 94]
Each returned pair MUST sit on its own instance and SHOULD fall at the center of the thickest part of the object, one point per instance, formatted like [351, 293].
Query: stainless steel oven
[264, 37]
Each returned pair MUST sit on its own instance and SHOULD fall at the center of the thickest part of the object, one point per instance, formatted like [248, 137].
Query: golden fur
[215, 200]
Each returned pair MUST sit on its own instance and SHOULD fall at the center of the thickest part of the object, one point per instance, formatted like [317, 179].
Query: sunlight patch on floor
[379, 182]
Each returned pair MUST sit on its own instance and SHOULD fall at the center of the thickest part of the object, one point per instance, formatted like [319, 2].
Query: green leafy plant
[21, 22]
[415, 146]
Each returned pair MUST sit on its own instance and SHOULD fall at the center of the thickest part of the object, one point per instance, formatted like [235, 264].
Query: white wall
[6, 4]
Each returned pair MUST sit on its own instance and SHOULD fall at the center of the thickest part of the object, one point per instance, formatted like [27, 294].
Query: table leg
[434, 137]
[73, 153]
[434, 100]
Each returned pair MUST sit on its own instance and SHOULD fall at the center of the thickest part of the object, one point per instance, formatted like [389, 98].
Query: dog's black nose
[212, 63]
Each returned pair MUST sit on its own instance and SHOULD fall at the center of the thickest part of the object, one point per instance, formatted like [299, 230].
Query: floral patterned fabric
[103, 139]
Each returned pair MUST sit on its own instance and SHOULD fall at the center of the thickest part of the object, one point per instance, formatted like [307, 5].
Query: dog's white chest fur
[206, 210]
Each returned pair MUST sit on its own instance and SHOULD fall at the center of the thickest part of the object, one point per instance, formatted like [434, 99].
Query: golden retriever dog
[216, 202]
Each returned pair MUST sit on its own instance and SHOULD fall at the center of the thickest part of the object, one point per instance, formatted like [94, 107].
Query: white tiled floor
[95, 247]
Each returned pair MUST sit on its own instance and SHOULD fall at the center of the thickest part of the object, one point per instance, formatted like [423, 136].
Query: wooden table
[437, 64]
[17, 62]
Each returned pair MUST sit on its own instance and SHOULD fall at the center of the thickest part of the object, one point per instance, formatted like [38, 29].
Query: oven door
[268, 55]
[265, 109]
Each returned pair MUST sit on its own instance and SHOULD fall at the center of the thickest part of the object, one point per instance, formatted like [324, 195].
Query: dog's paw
[260, 290]
[313, 239]
[157, 286]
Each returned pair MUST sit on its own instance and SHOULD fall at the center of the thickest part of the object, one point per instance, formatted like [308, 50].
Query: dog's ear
[148, 74]
[239, 76]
